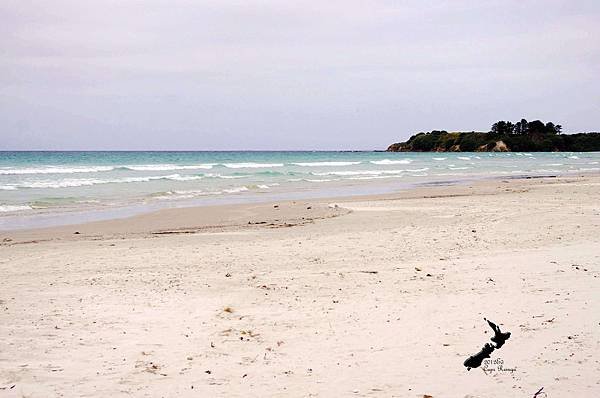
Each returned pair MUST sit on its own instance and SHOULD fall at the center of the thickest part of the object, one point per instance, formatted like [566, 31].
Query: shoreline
[69, 189]
[252, 215]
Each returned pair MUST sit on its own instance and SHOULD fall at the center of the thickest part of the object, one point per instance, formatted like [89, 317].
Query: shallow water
[47, 188]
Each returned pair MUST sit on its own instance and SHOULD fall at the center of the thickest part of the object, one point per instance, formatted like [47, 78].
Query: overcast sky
[218, 75]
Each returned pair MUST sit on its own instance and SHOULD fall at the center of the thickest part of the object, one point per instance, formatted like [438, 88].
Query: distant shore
[504, 136]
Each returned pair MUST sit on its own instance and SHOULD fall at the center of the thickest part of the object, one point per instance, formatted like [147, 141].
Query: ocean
[53, 188]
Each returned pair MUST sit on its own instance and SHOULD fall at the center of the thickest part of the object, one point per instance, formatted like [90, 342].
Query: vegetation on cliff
[522, 136]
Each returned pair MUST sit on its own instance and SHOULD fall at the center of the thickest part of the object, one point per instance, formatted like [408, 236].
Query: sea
[39, 189]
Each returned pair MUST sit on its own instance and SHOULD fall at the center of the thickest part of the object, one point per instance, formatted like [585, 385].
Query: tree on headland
[552, 128]
[502, 128]
[523, 127]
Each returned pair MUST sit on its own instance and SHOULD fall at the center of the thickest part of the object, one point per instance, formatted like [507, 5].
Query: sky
[280, 75]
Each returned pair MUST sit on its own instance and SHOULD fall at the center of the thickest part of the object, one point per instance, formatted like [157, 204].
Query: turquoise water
[44, 188]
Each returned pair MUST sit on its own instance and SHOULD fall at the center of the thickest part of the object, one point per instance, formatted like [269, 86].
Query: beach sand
[379, 296]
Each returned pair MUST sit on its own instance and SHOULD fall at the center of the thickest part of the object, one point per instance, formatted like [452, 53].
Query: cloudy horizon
[267, 75]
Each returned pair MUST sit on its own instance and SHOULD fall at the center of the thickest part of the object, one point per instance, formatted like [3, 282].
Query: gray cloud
[272, 75]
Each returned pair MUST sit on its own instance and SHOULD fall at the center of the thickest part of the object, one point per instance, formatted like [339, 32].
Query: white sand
[118, 312]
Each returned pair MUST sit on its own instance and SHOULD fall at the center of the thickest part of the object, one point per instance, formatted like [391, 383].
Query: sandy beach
[380, 296]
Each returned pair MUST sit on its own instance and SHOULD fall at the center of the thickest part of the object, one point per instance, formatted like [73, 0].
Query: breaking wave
[388, 161]
[55, 170]
[251, 165]
[168, 167]
[81, 182]
[368, 172]
[10, 208]
[325, 164]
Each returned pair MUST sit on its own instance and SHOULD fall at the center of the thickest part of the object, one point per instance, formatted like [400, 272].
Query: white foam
[184, 194]
[262, 186]
[226, 177]
[573, 157]
[368, 172]
[81, 182]
[372, 177]
[177, 177]
[9, 208]
[188, 192]
[359, 172]
[170, 196]
[438, 159]
[55, 170]
[463, 158]
[168, 167]
[96, 169]
[325, 164]
[235, 190]
[251, 165]
[66, 183]
[388, 161]
[310, 180]
[7, 187]
[589, 168]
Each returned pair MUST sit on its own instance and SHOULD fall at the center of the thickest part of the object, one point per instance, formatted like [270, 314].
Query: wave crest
[388, 161]
[325, 164]
[11, 208]
[251, 165]
[55, 170]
